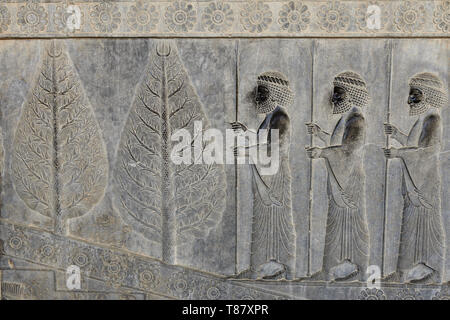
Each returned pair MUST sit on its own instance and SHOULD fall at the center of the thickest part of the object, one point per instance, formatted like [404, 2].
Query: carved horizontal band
[350, 81]
[274, 80]
[215, 18]
[147, 275]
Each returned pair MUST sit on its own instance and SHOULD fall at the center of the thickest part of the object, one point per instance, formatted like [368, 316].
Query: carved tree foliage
[59, 159]
[167, 203]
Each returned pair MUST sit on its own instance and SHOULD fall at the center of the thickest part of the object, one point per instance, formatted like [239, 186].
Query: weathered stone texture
[87, 179]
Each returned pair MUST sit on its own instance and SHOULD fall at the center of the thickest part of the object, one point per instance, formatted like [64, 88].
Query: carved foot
[318, 276]
[271, 270]
[344, 270]
[419, 272]
[246, 274]
[395, 277]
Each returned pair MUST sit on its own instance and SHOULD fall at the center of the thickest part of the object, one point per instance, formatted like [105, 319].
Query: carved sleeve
[352, 139]
[400, 137]
[354, 132]
[281, 122]
[429, 141]
[431, 130]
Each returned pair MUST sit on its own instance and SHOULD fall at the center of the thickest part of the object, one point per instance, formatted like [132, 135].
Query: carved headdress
[280, 93]
[355, 88]
[433, 90]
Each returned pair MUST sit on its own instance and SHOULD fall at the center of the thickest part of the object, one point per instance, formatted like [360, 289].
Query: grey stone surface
[204, 18]
[86, 178]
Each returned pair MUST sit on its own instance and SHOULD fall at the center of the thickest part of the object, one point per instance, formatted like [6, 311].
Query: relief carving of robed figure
[273, 232]
[421, 251]
[347, 237]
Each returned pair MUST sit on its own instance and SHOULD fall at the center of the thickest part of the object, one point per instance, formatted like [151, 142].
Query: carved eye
[415, 96]
[262, 94]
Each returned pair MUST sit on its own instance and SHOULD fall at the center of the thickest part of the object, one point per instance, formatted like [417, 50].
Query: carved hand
[238, 127]
[390, 129]
[313, 128]
[313, 152]
[390, 153]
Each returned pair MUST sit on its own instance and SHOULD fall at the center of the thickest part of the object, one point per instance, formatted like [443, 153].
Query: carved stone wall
[93, 93]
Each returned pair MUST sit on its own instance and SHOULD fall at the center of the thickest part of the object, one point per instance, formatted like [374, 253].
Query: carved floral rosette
[216, 18]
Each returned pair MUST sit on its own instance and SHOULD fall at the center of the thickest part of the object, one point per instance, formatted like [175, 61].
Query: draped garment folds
[422, 235]
[347, 235]
[273, 233]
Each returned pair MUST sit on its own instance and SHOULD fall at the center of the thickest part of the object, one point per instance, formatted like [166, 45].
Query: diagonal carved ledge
[122, 270]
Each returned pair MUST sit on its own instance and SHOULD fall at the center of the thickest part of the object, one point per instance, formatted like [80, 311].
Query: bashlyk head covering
[432, 89]
[356, 91]
[280, 93]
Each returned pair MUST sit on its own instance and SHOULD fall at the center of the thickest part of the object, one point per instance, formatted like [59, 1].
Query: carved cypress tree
[59, 159]
[167, 203]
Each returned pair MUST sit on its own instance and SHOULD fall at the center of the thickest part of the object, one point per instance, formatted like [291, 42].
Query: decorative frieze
[217, 18]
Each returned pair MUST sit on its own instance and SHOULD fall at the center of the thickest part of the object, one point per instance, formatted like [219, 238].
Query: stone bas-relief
[225, 17]
[422, 237]
[87, 180]
[273, 233]
[347, 238]
[166, 202]
[59, 164]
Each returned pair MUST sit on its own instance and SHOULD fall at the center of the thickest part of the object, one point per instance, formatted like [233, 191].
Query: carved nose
[254, 96]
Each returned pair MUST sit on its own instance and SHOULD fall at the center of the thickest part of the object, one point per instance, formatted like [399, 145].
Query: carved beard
[416, 109]
[267, 106]
[342, 106]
